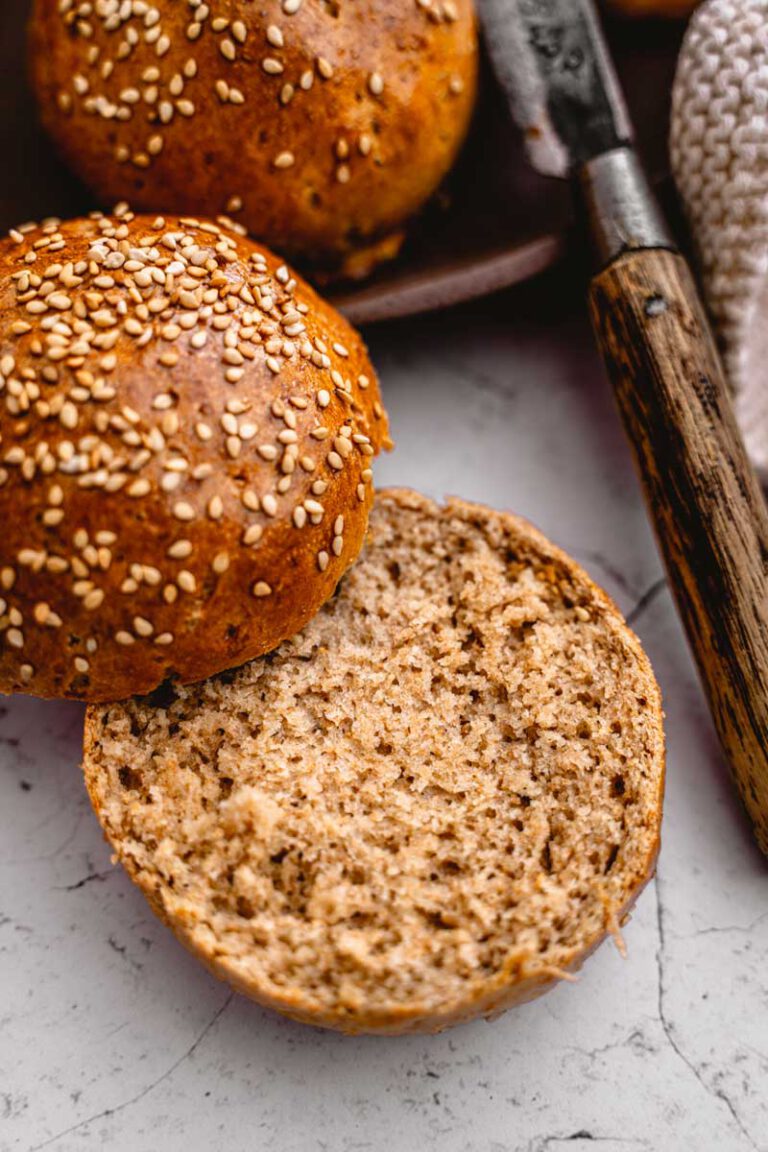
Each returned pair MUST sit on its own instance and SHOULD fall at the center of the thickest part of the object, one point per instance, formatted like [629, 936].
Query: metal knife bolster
[620, 206]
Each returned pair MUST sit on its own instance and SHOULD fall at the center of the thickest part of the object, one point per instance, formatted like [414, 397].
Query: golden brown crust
[347, 115]
[523, 976]
[185, 456]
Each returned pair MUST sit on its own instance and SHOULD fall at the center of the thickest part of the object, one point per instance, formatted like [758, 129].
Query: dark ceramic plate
[494, 224]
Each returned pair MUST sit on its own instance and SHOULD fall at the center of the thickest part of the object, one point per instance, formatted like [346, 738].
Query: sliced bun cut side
[431, 804]
[186, 438]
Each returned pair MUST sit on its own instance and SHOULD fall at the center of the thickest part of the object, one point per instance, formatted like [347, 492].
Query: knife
[702, 494]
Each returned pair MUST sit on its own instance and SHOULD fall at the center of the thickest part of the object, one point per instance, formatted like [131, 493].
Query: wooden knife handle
[703, 496]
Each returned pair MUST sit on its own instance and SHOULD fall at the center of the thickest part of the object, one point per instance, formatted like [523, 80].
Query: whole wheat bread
[432, 803]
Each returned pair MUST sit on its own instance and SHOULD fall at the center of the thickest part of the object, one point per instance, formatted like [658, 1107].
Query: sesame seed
[186, 581]
[138, 488]
[220, 563]
[261, 589]
[271, 66]
[375, 84]
[282, 160]
[269, 505]
[183, 511]
[68, 415]
[180, 549]
[125, 638]
[323, 560]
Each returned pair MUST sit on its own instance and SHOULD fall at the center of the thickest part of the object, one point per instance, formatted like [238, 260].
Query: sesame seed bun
[186, 434]
[321, 127]
[433, 803]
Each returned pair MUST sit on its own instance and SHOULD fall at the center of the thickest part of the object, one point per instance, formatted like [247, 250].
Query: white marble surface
[112, 1037]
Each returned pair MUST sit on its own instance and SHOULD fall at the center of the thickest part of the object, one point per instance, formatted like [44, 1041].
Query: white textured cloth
[719, 152]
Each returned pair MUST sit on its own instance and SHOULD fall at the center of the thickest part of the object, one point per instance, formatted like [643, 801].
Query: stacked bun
[320, 126]
[187, 432]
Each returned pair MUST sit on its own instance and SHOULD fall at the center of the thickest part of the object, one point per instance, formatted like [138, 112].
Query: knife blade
[554, 68]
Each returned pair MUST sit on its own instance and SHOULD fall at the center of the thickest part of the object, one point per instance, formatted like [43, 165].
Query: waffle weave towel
[719, 153]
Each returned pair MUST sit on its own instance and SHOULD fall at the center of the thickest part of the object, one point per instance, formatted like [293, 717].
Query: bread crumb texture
[430, 804]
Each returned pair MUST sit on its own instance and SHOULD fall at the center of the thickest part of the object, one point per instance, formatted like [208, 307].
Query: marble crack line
[85, 880]
[635, 1037]
[668, 1030]
[646, 600]
[105, 1112]
[47, 855]
[593, 556]
[714, 930]
[541, 1143]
